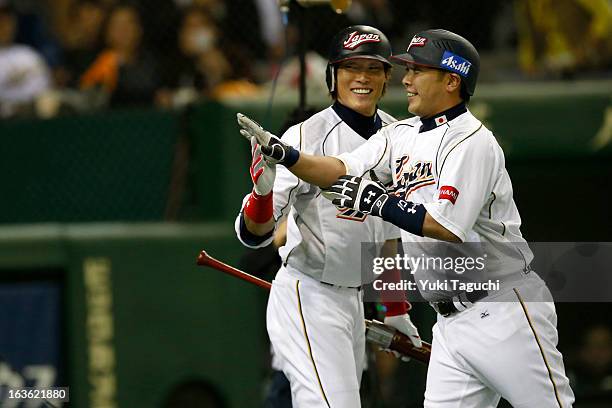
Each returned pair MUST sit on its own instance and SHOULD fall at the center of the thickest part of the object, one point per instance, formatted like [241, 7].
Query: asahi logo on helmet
[453, 62]
[355, 39]
[416, 42]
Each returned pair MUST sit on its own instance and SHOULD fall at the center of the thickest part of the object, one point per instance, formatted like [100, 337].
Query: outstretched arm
[352, 192]
[321, 171]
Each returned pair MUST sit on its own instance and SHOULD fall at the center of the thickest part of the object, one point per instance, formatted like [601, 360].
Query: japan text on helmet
[447, 51]
[359, 41]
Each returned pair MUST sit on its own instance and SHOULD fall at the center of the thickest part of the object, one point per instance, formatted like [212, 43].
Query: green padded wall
[171, 320]
[113, 166]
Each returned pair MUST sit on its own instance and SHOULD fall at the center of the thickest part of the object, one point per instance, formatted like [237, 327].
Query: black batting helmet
[359, 41]
[447, 51]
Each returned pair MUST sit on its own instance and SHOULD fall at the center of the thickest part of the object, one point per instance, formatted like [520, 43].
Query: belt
[459, 302]
[341, 287]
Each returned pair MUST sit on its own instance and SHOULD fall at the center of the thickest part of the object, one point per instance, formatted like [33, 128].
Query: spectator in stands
[217, 8]
[33, 29]
[261, 42]
[564, 38]
[203, 68]
[24, 75]
[125, 70]
[592, 376]
[80, 27]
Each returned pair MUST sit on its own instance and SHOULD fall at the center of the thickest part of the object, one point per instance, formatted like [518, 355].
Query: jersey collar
[365, 126]
[442, 117]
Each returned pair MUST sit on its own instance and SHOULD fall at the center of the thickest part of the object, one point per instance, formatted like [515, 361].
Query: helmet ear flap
[330, 77]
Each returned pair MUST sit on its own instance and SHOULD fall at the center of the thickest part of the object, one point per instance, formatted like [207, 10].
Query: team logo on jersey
[351, 214]
[455, 63]
[355, 39]
[449, 193]
[416, 42]
[412, 176]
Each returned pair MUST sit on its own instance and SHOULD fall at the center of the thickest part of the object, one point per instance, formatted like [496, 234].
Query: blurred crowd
[60, 56]
[82, 55]
[590, 366]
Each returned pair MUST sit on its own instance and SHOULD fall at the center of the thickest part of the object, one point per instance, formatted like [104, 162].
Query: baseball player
[315, 316]
[451, 184]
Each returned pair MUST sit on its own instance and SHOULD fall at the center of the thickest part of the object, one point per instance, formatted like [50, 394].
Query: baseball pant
[501, 346]
[317, 333]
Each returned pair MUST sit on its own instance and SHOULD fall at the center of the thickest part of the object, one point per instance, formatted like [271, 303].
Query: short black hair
[463, 93]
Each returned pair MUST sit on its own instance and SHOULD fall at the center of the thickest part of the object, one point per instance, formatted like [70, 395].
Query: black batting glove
[366, 196]
[277, 152]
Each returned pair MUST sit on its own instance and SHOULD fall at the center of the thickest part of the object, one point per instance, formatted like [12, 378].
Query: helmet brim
[365, 56]
[409, 59]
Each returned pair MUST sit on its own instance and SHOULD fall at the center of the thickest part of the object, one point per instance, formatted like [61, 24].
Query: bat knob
[203, 255]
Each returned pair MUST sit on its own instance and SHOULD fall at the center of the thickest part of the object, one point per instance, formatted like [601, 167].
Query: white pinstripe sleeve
[465, 182]
[374, 154]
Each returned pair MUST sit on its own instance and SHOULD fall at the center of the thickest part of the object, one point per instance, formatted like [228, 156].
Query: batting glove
[404, 325]
[359, 194]
[272, 148]
[262, 173]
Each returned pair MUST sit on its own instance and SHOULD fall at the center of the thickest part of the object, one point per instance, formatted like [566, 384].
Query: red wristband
[394, 301]
[396, 308]
[259, 208]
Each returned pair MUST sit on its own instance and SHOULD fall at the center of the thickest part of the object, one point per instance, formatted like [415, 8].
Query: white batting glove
[272, 148]
[251, 129]
[404, 325]
[262, 172]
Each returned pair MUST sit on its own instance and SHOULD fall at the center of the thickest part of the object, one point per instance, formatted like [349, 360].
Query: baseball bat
[376, 332]
[390, 338]
[206, 260]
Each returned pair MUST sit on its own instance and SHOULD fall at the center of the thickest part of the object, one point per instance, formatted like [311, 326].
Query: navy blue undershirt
[431, 123]
[248, 237]
[365, 126]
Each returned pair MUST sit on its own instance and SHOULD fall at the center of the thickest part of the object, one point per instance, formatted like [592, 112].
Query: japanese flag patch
[449, 193]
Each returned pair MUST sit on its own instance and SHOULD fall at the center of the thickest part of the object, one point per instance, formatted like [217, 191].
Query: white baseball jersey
[321, 242]
[506, 345]
[457, 170]
[317, 330]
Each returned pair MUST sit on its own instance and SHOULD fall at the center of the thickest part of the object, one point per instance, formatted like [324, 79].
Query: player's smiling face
[430, 91]
[360, 84]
